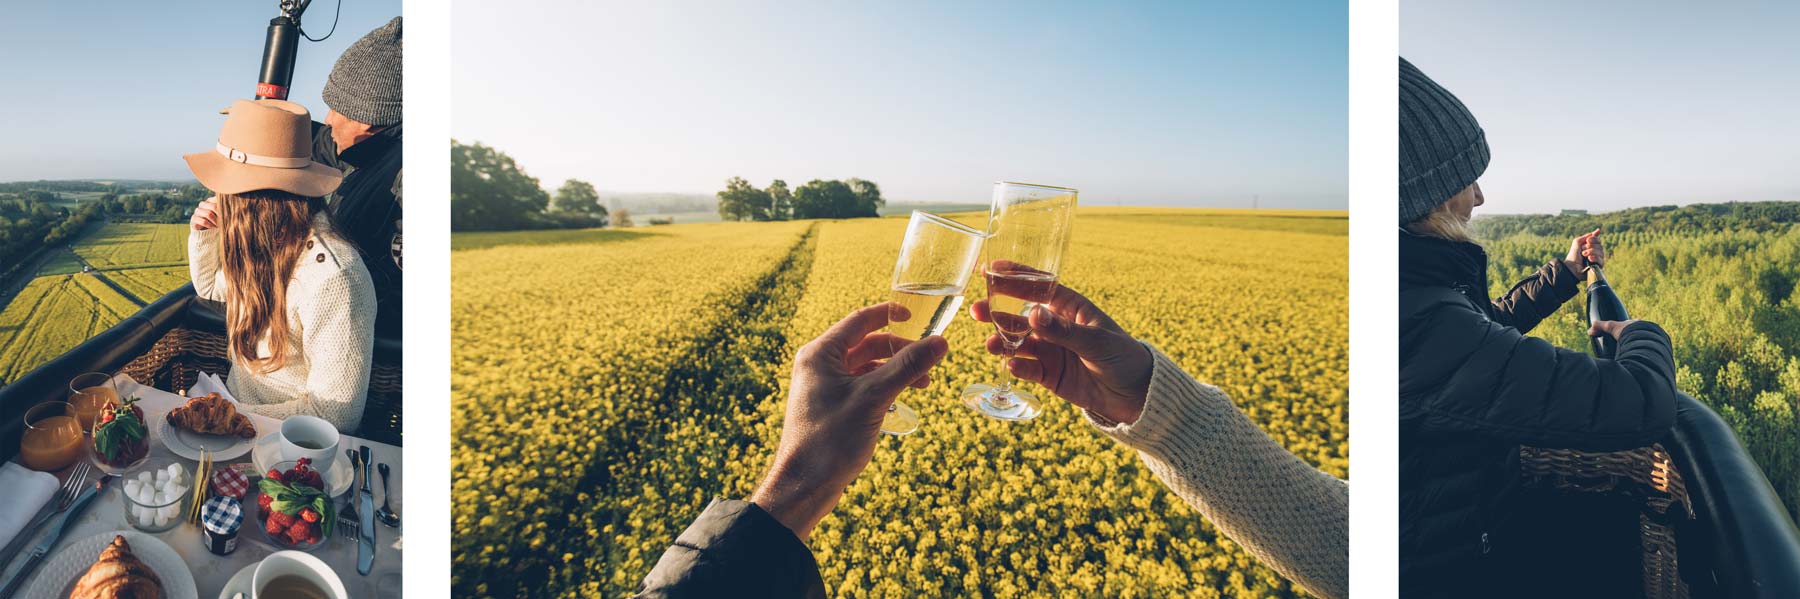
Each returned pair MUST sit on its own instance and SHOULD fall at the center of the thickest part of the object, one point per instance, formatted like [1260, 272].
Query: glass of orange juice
[87, 393]
[53, 437]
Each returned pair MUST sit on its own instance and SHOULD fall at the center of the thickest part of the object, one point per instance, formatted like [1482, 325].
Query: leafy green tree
[489, 191]
[868, 198]
[781, 200]
[819, 198]
[579, 196]
[742, 201]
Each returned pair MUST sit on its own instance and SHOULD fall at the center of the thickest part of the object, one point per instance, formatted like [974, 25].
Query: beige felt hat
[265, 144]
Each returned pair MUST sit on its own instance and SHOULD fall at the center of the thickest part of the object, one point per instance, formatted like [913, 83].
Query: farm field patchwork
[62, 306]
[135, 245]
[633, 381]
[52, 315]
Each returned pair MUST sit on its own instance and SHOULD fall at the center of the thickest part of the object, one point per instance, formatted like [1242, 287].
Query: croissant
[212, 415]
[118, 575]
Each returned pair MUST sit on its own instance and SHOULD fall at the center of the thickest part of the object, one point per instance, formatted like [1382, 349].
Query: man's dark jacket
[735, 549]
[367, 210]
[1473, 388]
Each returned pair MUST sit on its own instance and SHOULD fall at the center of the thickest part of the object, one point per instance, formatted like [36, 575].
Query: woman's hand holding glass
[842, 385]
[1078, 352]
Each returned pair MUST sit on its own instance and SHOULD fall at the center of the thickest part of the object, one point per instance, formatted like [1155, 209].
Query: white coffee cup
[296, 563]
[310, 430]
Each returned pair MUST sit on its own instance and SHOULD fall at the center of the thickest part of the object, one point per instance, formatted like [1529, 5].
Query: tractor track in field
[719, 379]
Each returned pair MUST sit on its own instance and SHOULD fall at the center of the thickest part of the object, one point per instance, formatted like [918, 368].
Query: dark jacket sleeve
[1463, 373]
[735, 549]
[1536, 297]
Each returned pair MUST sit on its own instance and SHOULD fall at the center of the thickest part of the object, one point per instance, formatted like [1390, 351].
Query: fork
[71, 488]
[347, 519]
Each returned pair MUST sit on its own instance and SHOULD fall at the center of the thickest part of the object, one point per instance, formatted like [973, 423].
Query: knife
[365, 512]
[43, 548]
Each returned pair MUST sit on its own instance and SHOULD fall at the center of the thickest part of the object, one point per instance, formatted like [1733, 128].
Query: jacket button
[321, 258]
[309, 244]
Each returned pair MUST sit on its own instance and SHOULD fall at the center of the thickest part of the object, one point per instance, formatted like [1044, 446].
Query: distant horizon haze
[1615, 104]
[1161, 104]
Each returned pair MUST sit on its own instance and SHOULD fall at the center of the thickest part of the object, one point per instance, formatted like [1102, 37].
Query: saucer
[267, 454]
[239, 583]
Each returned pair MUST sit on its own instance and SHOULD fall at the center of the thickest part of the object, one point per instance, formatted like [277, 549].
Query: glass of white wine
[936, 258]
[1028, 230]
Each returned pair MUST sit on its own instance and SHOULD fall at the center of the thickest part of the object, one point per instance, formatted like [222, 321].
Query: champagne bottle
[1603, 304]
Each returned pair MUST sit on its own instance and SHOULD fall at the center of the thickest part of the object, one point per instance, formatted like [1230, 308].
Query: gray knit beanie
[1442, 148]
[365, 83]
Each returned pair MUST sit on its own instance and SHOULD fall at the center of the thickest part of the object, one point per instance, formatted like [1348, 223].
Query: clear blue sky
[94, 90]
[1182, 103]
[1612, 104]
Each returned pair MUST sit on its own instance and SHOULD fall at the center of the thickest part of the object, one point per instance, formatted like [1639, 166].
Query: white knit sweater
[331, 315]
[1291, 516]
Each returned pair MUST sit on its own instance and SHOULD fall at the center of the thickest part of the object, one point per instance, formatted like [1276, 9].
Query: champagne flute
[1028, 229]
[936, 258]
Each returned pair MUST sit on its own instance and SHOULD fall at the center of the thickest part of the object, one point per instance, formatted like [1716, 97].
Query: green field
[53, 314]
[62, 306]
[135, 245]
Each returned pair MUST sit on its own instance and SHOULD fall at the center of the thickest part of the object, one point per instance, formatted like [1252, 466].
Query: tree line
[489, 191]
[29, 221]
[818, 198]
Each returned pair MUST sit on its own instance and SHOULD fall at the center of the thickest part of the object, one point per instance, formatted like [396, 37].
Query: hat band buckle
[242, 157]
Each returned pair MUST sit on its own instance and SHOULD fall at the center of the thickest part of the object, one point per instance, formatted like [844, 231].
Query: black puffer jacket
[1473, 388]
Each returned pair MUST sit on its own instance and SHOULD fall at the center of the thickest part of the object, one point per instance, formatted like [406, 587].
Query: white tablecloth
[211, 572]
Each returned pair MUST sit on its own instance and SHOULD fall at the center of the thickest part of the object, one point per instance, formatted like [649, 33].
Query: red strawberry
[272, 474]
[309, 515]
[106, 417]
[315, 481]
[274, 530]
[301, 463]
[265, 501]
[285, 520]
[299, 531]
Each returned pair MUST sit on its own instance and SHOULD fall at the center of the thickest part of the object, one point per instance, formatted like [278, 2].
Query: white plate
[239, 583]
[337, 473]
[56, 578]
[189, 444]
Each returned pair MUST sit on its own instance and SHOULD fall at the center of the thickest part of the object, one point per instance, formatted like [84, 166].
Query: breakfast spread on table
[296, 480]
[118, 575]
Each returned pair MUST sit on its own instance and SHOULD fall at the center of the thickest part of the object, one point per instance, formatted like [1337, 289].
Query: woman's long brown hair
[264, 233]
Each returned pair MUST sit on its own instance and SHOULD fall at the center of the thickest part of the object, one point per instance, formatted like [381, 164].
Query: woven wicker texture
[1647, 474]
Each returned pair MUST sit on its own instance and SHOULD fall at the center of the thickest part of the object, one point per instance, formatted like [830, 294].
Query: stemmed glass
[936, 258]
[1028, 229]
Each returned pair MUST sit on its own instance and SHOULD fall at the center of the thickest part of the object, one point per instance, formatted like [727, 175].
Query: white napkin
[124, 385]
[28, 490]
[210, 383]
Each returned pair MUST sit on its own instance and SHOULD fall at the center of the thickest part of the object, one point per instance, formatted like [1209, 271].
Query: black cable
[334, 21]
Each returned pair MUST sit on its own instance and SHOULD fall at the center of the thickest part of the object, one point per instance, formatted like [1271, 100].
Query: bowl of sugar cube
[156, 495]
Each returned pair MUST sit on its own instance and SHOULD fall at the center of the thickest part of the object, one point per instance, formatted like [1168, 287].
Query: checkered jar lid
[222, 515]
[230, 483]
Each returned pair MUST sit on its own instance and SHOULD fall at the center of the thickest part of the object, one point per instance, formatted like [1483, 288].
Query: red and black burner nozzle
[279, 48]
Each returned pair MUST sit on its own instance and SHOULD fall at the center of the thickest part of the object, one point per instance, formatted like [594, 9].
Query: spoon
[386, 514]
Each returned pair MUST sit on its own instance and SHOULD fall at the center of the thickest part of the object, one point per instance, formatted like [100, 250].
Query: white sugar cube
[160, 520]
[146, 477]
[167, 513]
[145, 495]
[162, 476]
[145, 515]
[132, 486]
[175, 471]
[176, 490]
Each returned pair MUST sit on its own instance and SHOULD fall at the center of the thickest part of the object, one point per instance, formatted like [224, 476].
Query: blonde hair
[263, 234]
[1444, 223]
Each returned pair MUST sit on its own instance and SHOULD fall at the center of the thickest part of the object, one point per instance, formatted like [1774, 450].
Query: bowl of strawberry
[293, 509]
[121, 437]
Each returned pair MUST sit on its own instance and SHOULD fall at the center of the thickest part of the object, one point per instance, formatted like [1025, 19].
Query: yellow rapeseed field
[606, 391]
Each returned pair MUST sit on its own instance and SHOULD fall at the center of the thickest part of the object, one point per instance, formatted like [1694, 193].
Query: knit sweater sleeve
[337, 330]
[203, 264]
[1291, 516]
